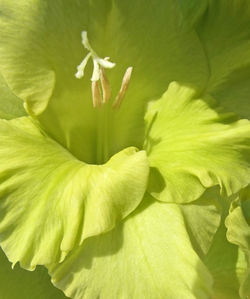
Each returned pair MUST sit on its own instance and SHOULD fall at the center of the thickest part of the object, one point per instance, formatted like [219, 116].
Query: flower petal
[50, 201]
[225, 36]
[20, 284]
[192, 147]
[238, 232]
[193, 10]
[10, 105]
[227, 265]
[148, 256]
[202, 219]
[224, 30]
[40, 48]
[234, 94]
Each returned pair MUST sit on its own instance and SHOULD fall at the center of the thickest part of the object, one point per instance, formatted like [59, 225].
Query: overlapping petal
[148, 256]
[50, 201]
[10, 105]
[202, 220]
[227, 265]
[238, 233]
[191, 146]
[224, 31]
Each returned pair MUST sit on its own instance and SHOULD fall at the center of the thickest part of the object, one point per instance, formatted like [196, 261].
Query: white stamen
[106, 90]
[123, 89]
[96, 71]
[99, 74]
[105, 63]
[97, 61]
[96, 95]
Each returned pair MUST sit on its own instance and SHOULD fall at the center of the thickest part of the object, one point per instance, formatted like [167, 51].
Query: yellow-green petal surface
[192, 146]
[50, 201]
[147, 256]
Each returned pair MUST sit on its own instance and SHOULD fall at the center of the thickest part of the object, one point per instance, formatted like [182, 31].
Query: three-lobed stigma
[101, 90]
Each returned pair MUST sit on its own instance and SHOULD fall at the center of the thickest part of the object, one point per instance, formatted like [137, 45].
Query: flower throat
[101, 94]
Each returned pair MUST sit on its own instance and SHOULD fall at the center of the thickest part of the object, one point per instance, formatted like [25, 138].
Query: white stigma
[80, 69]
[98, 74]
[97, 61]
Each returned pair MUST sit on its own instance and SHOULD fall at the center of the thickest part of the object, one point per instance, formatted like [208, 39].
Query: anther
[124, 86]
[96, 94]
[106, 89]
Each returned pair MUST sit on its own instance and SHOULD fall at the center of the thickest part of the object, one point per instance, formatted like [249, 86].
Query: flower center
[101, 90]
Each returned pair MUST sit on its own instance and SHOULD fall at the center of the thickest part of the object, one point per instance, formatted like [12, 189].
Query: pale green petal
[10, 105]
[238, 232]
[148, 256]
[50, 201]
[224, 31]
[40, 49]
[20, 284]
[225, 34]
[202, 219]
[193, 10]
[227, 265]
[191, 146]
[33, 77]
[234, 94]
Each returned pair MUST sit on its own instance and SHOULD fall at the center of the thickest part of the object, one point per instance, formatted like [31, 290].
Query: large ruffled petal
[50, 201]
[40, 48]
[148, 256]
[20, 284]
[191, 146]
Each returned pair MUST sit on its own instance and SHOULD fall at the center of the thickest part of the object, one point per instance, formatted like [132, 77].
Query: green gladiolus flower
[125, 149]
